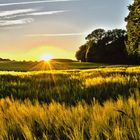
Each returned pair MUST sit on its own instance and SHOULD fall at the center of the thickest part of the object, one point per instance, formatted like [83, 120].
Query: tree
[115, 51]
[92, 40]
[133, 30]
[96, 35]
[81, 53]
[104, 46]
[90, 51]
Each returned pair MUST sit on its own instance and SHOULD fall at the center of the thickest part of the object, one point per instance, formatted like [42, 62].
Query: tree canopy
[103, 46]
[133, 30]
[81, 53]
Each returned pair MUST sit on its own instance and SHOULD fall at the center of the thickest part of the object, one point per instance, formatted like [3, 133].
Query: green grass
[37, 66]
[99, 103]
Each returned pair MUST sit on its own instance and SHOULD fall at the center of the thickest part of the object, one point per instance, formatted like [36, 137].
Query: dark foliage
[1, 59]
[133, 31]
[104, 46]
[81, 53]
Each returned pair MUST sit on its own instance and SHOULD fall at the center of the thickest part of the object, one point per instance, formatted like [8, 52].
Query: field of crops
[39, 66]
[100, 103]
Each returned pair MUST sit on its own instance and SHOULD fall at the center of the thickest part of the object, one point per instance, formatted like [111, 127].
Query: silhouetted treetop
[103, 46]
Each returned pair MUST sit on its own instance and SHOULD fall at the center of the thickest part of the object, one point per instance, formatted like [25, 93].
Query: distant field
[81, 101]
[37, 66]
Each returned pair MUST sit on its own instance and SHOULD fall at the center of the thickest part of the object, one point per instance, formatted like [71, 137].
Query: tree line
[114, 46]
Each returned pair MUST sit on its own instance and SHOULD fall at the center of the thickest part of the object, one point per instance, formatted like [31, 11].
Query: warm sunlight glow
[47, 57]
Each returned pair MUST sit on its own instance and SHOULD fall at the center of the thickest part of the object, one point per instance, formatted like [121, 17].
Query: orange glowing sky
[31, 28]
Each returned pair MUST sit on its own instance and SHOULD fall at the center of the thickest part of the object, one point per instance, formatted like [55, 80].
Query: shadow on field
[63, 88]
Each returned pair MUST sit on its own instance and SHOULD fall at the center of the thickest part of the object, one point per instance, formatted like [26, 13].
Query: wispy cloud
[45, 13]
[33, 2]
[24, 16]
[55, 35]
[7, 18]
[27, 12]
[11, 13]
[15, 22]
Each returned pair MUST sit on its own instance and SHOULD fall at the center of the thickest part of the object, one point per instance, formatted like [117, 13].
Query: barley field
[101, 103]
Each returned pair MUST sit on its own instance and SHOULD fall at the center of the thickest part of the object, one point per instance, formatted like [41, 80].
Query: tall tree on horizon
[133, 30]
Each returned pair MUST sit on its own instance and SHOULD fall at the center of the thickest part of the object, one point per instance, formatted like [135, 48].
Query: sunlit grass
[70, 86]
[114, 120]
[100, 103]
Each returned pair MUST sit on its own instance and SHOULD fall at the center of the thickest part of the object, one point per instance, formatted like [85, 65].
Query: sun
[46, 57]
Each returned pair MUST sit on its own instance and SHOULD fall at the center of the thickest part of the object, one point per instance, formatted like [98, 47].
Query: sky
[30, 29]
